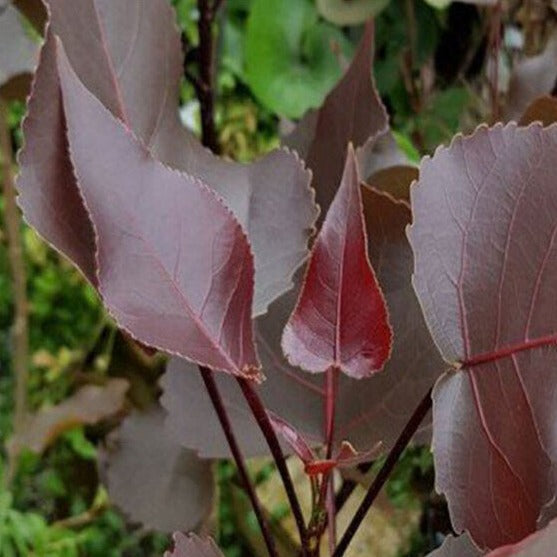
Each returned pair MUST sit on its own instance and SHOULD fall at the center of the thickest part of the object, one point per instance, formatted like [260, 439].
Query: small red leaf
[317, 467]
[293, 437]
[341, 318]
[174, 266]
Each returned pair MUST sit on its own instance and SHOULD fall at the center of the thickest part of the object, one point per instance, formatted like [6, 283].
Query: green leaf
[354, 12]
[80, 444]
[292, 58]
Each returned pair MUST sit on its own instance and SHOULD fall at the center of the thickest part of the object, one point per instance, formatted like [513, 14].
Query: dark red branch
[220, 409]
[386, 470]
[262, 418]
[204, 85]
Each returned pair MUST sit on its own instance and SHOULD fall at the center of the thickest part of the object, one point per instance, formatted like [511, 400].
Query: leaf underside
[485, 260]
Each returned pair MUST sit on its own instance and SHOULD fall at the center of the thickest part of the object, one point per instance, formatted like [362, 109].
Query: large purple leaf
[340, 320]
[368, 411]
[174, 266]
[18, 51]
[128, 55]
[351, 112]
[152, 479]
[484, 241]
[193, 546]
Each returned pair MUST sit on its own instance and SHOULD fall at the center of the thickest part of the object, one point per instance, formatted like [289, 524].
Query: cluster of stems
[326, 502]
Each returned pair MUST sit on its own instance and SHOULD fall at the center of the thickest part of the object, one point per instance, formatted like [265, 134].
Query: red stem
[260, 415]
[487, 357]
[216, 399]
[205, 85]
[386, 470]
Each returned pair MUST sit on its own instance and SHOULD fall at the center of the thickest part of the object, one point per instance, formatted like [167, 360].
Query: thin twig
[262, 418]
[17, 265]
[386, 470]
[328, 482]
[216, 399]
[205, 87]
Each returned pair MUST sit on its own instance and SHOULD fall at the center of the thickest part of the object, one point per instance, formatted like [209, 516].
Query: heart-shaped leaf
[128, 55]
[485, 259]
[193, 546]
[152, 479]
[289, 50]
[352, 112]
[340, 320]
[174, 266]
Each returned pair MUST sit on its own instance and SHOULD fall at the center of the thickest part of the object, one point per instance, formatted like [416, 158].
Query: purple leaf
[152, 479]
[351, 112]
[340, 320]
[293, 438]
[367, 411]
[484, 242]
[174, 266]
[193, 546]
[128, 55]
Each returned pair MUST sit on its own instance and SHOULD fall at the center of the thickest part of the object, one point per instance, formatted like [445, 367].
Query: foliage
[213, 261]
